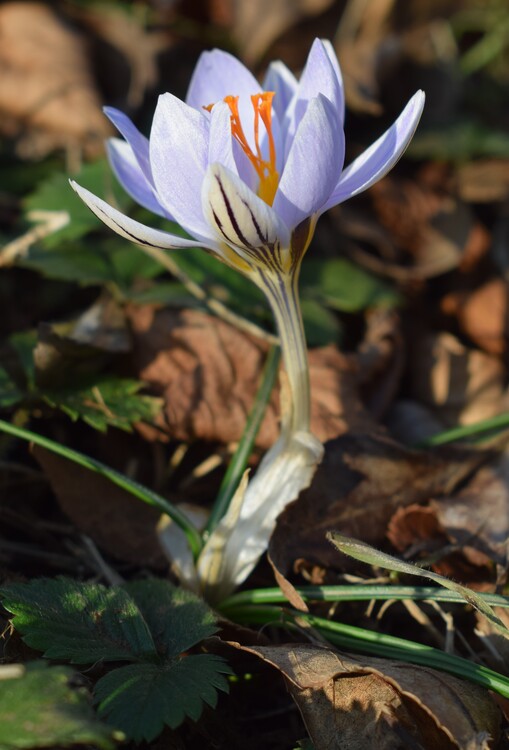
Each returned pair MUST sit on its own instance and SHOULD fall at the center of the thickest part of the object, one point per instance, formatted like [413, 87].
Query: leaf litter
[383, 380]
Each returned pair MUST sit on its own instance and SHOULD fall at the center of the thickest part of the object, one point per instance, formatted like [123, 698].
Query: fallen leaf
[360, 483]
[483, 181]
[119, 523]
[477, 517]
[128, 50]
[364, 703]
[48, 98]
[257, 25]
[458, 384]
[429, 224]
[482, 314]
[208, 373]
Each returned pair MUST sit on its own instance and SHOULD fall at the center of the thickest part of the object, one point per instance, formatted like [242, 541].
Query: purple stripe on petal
[128, 173]
[179, 148]
[313, 165]
[240, 217]
[381, 156]
[129, 228]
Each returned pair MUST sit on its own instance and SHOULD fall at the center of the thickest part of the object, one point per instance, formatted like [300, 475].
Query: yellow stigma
[266, 170]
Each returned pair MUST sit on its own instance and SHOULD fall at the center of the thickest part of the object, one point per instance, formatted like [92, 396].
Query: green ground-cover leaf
[90, 262]
[459, 141]
[343, 286]
[110, 402]
[102, 401]
[55, 194]
[10, 394]
[177, 619]
[140, 699]
[79, 622]
[41, 708]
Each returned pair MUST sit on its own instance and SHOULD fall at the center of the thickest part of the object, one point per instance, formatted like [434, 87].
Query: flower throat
[266, 170]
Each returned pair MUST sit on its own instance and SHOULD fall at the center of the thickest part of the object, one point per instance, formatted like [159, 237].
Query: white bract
[246, 170]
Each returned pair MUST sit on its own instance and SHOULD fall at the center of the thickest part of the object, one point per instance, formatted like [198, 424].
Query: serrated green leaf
[40, 708]
[162, 694]
[111, 402]
[177, 618]
[343, 286]
[55, 194]
[79, 622]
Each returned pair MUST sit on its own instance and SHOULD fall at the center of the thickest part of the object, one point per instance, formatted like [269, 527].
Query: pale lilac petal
[381, 156]
[133, 230]
[137, 141]
[221, 140]
[331, 54]
[128, 172]
[179, 147]
[283, 83]
[240, 217]
[217, 75]
[319, 77]
[313, 165]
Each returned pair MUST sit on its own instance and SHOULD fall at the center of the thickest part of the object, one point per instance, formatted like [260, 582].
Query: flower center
[266, 170]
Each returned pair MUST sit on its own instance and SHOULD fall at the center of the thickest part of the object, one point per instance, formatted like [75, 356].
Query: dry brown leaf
[483, 181]
[209, 372]
[460, 385]
[435, 228]
[48, 97]
[133, 61]
[477, 517]
[257, 25]
[366, 703]
[360, 483]
[482, 314]
[119, 523]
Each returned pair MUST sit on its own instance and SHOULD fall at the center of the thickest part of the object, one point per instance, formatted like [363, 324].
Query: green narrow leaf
[365, 553]
[39, 707]
[78, 622]
[162, 694]
[177, 618]
[144, 494]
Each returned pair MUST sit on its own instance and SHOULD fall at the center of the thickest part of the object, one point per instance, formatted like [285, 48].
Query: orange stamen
[266, 170]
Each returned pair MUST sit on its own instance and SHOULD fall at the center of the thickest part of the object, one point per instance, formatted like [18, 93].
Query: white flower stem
[283, 296]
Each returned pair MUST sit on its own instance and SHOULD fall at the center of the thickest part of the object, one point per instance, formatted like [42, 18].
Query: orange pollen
[266, 170]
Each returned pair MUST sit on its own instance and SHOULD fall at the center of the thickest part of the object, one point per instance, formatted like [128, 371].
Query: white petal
[240, 217]
[133, 230]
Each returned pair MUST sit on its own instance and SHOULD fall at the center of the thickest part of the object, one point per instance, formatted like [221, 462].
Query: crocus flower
[246, 170]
